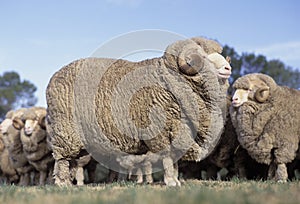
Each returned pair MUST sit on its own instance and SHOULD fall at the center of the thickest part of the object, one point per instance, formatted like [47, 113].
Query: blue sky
[38, 37]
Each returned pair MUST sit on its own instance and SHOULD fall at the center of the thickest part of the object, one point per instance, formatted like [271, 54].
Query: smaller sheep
[9, 173]
[266, 118]
[34, 141]
[11, 136]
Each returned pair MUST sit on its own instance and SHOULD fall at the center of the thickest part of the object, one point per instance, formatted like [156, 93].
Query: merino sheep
[9, 173]
[266, 117]
[11, 136]
[87, 99]
[34, 140]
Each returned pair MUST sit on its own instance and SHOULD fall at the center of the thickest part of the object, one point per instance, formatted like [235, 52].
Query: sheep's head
[32, 120]
[191, 55]
[252, 87]
[222, 65]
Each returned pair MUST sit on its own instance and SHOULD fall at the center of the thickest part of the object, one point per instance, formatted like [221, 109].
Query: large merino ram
[266, 117]
[170, 106]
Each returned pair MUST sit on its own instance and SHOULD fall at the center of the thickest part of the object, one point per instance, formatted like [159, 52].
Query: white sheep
[35, 144]
[11, 135]
[200, 91]
[8, 171]
[266, 117]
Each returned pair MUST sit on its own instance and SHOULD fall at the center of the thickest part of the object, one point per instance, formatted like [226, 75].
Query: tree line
[16, 93]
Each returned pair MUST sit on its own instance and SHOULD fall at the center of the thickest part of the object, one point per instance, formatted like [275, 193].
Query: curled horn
[262, 94]
[42, 122]
[190, 63]
[228, 59]
[18, 123]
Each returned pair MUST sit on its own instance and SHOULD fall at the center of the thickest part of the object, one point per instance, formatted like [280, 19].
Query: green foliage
[15, 93]
[251, 63]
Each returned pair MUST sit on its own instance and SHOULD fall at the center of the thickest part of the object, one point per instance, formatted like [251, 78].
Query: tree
[15, 93]
[251, 63]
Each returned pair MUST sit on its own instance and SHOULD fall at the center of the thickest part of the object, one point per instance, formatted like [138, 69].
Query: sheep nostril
[228, 68]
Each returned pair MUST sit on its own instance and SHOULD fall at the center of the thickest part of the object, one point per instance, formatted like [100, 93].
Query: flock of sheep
[177, 115]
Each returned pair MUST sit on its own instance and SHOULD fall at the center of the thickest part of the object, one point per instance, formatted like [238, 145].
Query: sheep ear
[262, 94]
[228, 59]
[18, 123]
[190, 64]
[42, 122]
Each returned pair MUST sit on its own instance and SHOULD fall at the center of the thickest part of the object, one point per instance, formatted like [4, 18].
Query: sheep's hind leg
[61, 173]
[169, 176]
[43, 178]
[148, 172]
[281, 173]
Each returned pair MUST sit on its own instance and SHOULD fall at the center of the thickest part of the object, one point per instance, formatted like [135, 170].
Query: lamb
[35, 143]
[182, 83]
[12, 140]
[266, 117]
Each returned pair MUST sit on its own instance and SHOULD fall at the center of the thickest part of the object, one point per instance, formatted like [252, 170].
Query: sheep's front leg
[139, 174]
[80, 176]
[43, 178]
[176, 172]
[281, 174]
[24, 179]
[170, 175]
[148, 172]
[62, 176]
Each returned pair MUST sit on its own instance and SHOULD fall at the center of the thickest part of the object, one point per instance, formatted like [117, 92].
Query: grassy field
[192, 191]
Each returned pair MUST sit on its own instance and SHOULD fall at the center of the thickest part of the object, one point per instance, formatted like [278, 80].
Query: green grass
[192, 191]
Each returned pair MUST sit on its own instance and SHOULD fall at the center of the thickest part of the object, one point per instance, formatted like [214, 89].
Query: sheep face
[29, 126]
[223, 67]
[240, 96]
[251, 89]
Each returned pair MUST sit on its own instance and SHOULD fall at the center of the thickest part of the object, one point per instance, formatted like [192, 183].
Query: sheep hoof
[281, 181]
[172, 182]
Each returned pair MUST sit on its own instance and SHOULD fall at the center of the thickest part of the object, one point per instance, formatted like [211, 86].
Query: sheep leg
[50, 179]
[212, 172]
[43, 177]
[91, 169]
[24, 179]
[242, 172]
[112, 176]
[169, 172]
[281, 173]
[62, 176]
[79, 176]
[148, 172]
[139, 174]
[271, 171]
[176, 172]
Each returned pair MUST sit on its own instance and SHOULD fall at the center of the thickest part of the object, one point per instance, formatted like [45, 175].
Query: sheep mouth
[224, 75]
[28, 133]
[236, 104]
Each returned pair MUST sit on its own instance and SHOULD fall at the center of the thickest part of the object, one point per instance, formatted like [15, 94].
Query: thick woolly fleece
[269, 131]
[77, 105]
